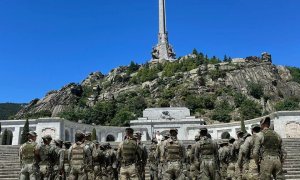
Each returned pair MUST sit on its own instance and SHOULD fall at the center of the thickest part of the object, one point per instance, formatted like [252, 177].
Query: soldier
[115, 164]
[224, 155]
[245, 160]
[231, 165]
[27, 154]
[159, 155]
[110, 158]
[58, 168]
[79, 157]
[144, 155]
[268, 152]
[98, 159]
[206, 153]
[128, 155]
[235, 153]
[242, 162]
[195, 166]
[91, 146]
[46, 157]
[174, 153]
[153, 161]
[67, 145]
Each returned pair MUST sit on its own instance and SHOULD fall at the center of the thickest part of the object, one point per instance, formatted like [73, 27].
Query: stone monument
[163, 50]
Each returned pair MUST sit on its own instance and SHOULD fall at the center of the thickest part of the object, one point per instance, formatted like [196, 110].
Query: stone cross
[163, 50]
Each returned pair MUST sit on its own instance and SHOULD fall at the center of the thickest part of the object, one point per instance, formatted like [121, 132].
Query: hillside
[216, 90]
[8, 110]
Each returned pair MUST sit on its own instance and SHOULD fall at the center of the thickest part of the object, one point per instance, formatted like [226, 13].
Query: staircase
[9, 163]
[10, 166]
[292, 163]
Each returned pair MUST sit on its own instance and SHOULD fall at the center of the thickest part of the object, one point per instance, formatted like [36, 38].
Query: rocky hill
[215, 90]
[8, 110]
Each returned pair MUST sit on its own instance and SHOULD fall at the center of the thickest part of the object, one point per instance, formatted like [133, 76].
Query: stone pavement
[10, 167]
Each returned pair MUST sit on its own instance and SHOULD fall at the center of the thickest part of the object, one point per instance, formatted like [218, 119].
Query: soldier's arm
[61, 159]
[183, 153]
[69, 153]
[240, 157]
[157, 152]
[257, 146]
[20, 154]
[197, 152]
[119, 152]
[88, 154]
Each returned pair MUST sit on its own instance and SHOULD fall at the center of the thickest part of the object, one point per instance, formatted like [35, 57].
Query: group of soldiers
[256, 156]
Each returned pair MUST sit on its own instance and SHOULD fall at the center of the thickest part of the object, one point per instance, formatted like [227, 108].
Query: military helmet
[197, 137]
[203, 129]
[67, 143]
[173, 130]
[47, 137]
[231, 140]
[129, 130]
[32, 133]
[255, 127]
[58, 141]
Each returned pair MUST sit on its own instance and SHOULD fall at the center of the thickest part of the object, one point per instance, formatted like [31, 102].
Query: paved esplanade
[163, 50]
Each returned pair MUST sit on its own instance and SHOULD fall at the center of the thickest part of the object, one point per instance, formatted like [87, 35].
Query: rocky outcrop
[206, 79]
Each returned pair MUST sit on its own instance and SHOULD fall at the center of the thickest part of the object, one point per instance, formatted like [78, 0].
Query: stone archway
[110, 138]
[67, 135]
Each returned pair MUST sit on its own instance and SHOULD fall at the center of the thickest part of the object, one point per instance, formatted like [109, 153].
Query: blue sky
[46, 44]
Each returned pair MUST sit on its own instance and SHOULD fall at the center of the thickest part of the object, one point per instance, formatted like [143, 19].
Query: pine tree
[4, 137]
[25, 131]
[94, 135]
[243, 127]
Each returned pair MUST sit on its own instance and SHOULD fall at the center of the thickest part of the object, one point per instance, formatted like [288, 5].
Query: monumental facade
[154, 120]
[163, 50]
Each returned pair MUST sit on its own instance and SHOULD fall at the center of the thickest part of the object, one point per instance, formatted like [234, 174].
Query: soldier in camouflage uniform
[58, 168]
[195, 166]
[91, 146]
[268, 152]
[231, 165]
[27, 155]
[153, 161]
[80, 157]
[110, 157]
[159, 154]
[245, 161]
[235, 153]
[99, 161]
[224, 155]
[128, 155]
[66, 148]
[206, 153]
[174, 153]
[144, 155]
[46, 157]
[115, 164]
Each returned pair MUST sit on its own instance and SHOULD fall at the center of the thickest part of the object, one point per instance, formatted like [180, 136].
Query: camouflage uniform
[195, 166]
[58, 168]
[268, 152]
[91, 146]
[206, 153]
[235, 153]
[224, 155]
[27, 154]
[110, 158]
[128, 155]
[231, 165]
[245, 161]
[159, 154]
[46, 156]
[153, 162]
[99, 162]
[174, 153]
[66, 167]
[144, 156]
[80, 158]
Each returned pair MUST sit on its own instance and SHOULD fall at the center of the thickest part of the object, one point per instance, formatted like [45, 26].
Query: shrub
[295, 72]
[221, 112]
[250, 109]
[256, 90]
[287, 105]
[239, 98]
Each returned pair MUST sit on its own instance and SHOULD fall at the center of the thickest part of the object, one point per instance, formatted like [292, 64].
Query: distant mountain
[218, 91]
[8, 110]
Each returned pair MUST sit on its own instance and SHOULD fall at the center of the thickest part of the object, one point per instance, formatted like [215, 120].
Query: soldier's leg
[278, 172]
[230, 171]
[24, 174]
[204, 171]
[266, 166]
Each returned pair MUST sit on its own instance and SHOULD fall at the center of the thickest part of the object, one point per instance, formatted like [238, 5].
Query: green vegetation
[94, 134]
[256, 90]
[25, 132]
[196, 103]
[40, 114]
[289, 104]
[295, 72]
[250, 109]
[222, 112]
[8, 110]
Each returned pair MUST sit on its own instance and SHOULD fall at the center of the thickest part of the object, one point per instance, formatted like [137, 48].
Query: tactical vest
[129, 150]
[46, 155]
[151, 157]
[271, 144]
[207, 147]
[173, 151]
[27, 152]
[77, 155]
